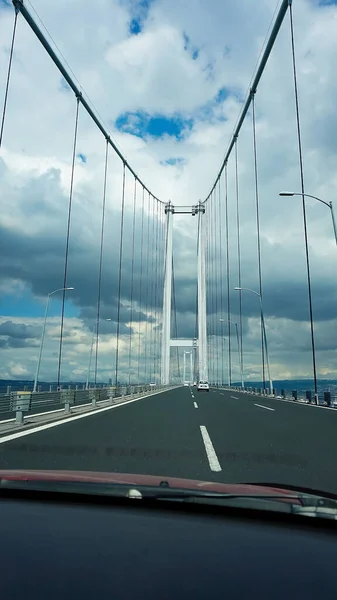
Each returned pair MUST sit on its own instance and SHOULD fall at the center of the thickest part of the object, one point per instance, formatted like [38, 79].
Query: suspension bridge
[133, 301]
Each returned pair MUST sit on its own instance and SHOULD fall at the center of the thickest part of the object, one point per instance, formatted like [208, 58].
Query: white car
[203, 386]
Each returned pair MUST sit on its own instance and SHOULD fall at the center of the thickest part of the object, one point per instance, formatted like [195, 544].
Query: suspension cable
[228, 279]
[101, 257]
[132, 274]
[67, 240]
[175, 315]
[120, 278]
[156, 299]
[140, 283]
[239, 255]
[207, 287]
[300, 155]
[147, 287]
[152, 295]
[213, 287]
[8, 76]
[20, 6]
[162, 279]
[196, 311]
[216, 284]
[221, 286]
[258, 239]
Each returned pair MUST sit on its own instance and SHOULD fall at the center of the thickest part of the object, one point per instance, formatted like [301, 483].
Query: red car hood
[135, 479]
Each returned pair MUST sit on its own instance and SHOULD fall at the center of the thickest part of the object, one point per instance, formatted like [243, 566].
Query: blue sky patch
[6, 3]
[26, 305]
[174, 162]
[222, 95]
[207, 111]
[139, 14]
[188, 47]
[144, 125]
[135, 27]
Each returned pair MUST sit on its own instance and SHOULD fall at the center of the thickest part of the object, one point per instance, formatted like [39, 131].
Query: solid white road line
[266, 407]
[195, 405]
[214, 464]
[97, 411]
[235, 397]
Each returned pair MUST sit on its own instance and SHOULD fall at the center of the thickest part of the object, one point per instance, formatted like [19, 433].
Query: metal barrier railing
[19, 403]
[325, 398]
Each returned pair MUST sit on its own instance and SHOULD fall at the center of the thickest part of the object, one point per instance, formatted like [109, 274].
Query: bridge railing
[325, 398]
[20, 403]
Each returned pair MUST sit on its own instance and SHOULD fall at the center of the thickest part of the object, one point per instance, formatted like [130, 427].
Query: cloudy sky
[168, 79]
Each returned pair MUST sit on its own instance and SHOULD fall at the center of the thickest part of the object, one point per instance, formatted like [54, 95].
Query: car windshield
[168, 309]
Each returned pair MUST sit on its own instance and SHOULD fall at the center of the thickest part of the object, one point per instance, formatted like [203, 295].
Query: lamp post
[43, 334]
[91, 349]
[328, 204]
[264, 331]
[239, 353]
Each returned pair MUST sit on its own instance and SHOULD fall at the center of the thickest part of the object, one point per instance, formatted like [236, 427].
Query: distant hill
[279, 384]
[294, 384]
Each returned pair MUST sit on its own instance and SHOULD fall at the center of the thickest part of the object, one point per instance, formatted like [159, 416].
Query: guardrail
[325, 398]
[49, 387]
[19, 403]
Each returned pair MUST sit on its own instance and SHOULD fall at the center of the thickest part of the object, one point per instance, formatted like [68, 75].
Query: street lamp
[264, 331]
[328, 204]
[43, 333]
[91, 349]
[239, 353]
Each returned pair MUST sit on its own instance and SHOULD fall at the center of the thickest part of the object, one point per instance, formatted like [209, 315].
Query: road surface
[217, 436]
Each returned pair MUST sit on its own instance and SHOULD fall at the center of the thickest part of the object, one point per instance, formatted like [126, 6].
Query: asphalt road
[216, 436]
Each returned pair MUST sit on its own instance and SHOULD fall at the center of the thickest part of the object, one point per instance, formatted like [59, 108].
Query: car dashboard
[68, 546]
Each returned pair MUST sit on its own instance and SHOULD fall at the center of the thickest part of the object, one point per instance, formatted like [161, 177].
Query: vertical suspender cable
[120, 279]
[67, 240]
[147, 289]
[140, 285]
[239, 255]
[101, 256]
[216, 258]
[221, 288]
[162, 271]
[228, 280]
[132, 274]
[214, 283]
[211, 287]
[300, 154]
[196, 333]
[207, 286]
[175, 316]
[152, 301]
[8, 77]
[258, 238]
[156, 283]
